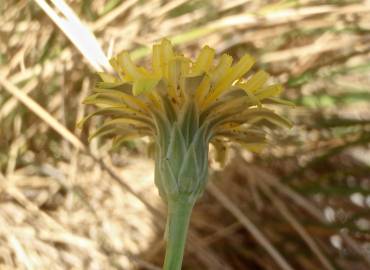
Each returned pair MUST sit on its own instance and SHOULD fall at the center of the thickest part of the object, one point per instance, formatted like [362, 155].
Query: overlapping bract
[134, 98]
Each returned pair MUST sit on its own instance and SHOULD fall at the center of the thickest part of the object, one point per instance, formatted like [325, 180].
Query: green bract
[181, 155]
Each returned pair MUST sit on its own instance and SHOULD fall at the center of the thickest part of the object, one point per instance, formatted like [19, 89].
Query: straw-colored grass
[303, 203]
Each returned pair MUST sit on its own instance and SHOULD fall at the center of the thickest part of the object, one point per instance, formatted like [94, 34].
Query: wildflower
[184, 106]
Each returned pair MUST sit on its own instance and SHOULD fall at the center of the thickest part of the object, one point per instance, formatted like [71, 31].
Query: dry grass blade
[12, 103]
[16, 245]
[111, 16]
[355, 246]
[248, 224]
[300, 200]
[314, 49]
[53, 231]
[297, 226]
[40, 112]
[79, 35]
[318, 49]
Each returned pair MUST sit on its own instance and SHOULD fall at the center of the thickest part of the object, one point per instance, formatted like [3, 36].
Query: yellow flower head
[220, 93]
[184, 105]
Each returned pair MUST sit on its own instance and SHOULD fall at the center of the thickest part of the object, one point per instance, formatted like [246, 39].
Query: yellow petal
[232, 104]
[143, 85]
[269, 91]
[119, 126]
[256, 81]
[250, 94]
[107, 77]
[236, 72]
[129, 67]
[227, 126]
[242, 67]
[184, 70]
[254, 115]
[114, 63]
[121, 96]
[174, 71]
[273, 118]
[124, 109]
[155, 99]
[166, 56]
[222, 67]
[202, 89]
[204, 60]
[275, 100]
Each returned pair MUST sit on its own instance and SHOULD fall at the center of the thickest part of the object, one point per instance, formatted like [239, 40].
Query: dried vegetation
[303, 203]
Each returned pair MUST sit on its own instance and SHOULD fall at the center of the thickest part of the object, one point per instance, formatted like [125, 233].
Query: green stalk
[179, 213]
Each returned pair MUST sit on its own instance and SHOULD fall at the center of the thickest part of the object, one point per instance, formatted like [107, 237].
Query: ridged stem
[179, 213]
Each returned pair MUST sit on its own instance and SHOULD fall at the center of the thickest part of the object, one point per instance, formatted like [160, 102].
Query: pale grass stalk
[293, 221]
[77, 33]
[10, 104]
[283, 189]
[249, 225]
[17, 246]
[40, 112]
[112, 15]
[355, 246]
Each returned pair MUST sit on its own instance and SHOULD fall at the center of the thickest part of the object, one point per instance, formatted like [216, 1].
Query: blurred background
[302, 203]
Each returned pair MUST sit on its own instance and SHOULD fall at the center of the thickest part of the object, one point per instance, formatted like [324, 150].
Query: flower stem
[179, 213]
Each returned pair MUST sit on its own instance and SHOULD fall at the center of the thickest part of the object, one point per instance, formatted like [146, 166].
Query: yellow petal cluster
[227, 100]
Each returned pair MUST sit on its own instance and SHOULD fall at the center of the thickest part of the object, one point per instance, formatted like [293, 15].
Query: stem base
[179, 213]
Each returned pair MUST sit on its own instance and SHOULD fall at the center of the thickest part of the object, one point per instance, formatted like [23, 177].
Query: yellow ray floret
[236, 72]
[204, 60]
[256, 81]
[222, 67]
